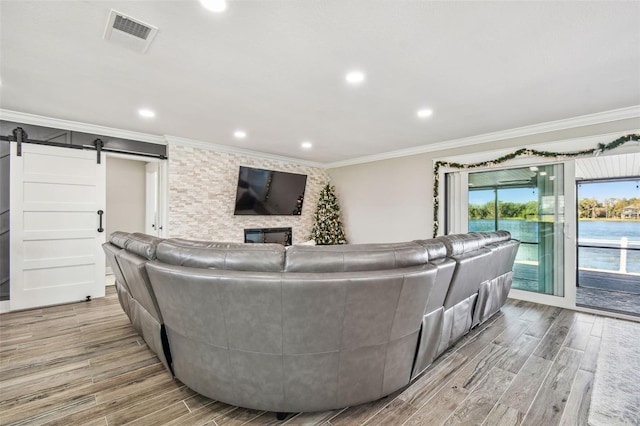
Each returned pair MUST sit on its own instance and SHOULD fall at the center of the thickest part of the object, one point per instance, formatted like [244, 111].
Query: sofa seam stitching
[341, 347]
[388, 339]
[284, 387]
[226, 335]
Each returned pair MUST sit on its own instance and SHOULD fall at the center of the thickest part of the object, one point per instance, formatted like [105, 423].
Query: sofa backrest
[139, 249]
[115, 245]
[493, 237]
[304, 339]
[228, 256]
[143, 245]
[354, 257]
[458, 244]
[473, 266]
[503, 248]
[437, 254]
[119, 239]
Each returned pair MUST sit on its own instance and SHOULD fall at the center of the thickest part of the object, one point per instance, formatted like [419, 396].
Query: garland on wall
[519, 153]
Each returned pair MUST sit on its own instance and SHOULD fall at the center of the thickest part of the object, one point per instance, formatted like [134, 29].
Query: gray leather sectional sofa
[307, 328]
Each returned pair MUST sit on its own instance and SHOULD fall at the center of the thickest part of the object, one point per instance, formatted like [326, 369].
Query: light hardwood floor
[84, 363]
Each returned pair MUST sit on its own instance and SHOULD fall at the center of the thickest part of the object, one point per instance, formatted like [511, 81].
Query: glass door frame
[456, 221]
[578, 182]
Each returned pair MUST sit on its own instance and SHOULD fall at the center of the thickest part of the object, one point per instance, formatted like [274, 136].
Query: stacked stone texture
[202, 193]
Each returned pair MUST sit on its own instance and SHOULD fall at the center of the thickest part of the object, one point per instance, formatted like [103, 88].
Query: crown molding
[569, 123]
[585, 120]
[175, 140]
[76, 126]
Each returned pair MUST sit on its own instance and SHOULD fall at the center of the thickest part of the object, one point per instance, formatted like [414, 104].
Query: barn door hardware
[99, 145]
[124, 146]
[19, 134]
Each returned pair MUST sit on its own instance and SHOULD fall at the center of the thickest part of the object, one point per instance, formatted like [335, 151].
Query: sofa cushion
[435, 248]
[493, 236]
[119, 239]
[143, 245]
[462, 243]
[354, 257]
[230, 256]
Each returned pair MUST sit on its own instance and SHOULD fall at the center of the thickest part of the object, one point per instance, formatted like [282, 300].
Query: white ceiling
[275, 68]
[608, 166]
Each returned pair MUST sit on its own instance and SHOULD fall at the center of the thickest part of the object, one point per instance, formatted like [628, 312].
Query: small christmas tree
[327, 228]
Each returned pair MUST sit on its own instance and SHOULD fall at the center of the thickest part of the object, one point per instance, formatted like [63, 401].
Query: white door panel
[57, 262]
[64, 276]
[55, 207]
[46, 249]
[58, 192]
[74, 163]
[56, 253]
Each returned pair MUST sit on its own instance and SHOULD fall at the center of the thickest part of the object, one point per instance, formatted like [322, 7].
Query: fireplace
[268, 235]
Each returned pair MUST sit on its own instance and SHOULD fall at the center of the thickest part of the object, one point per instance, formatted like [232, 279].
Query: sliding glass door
[608, 255]
[529, 203]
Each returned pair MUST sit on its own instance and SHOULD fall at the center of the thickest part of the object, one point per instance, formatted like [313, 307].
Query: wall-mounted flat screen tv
[268, 192]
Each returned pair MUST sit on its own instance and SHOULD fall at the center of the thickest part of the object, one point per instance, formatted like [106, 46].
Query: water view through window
[529, 203]
[609, 245]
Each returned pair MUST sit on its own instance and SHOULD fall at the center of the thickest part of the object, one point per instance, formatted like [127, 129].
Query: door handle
[100, 228]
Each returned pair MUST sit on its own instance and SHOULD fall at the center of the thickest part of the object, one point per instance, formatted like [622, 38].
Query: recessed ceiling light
[216, 6]
[533, 168]
[355, 77]
[146, 113]
[543, 173]
[240, 134]
[424, 113]
[306, 144]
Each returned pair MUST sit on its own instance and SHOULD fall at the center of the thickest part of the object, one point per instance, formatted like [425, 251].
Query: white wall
[392, 200]
[125, 207]
[384, 201]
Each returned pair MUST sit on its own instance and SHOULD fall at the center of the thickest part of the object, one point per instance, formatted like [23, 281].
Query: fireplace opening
[268, 235]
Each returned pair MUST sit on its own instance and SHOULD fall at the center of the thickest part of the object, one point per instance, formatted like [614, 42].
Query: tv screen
[267, 192]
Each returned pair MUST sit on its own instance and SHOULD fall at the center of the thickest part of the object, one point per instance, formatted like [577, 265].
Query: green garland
[521, 152]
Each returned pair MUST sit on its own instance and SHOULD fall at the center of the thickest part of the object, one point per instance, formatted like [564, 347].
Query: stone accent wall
[202, 193]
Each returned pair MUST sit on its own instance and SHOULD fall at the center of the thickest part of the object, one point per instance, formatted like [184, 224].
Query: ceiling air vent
[129, 32]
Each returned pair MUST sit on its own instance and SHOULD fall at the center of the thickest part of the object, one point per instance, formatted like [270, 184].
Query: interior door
[56, 231]
[151, 209]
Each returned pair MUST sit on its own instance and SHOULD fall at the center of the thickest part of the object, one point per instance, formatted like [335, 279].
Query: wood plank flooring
[84, 364]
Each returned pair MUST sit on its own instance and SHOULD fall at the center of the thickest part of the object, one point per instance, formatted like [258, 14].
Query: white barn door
[56, 253]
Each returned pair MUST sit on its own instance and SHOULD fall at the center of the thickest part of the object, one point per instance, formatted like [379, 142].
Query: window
[529, 203]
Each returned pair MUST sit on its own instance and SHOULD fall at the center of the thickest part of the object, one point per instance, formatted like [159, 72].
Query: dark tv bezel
[253, 212]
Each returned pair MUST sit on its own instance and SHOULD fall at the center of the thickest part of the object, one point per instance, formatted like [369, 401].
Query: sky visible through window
[599, 190]
[603, 190]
